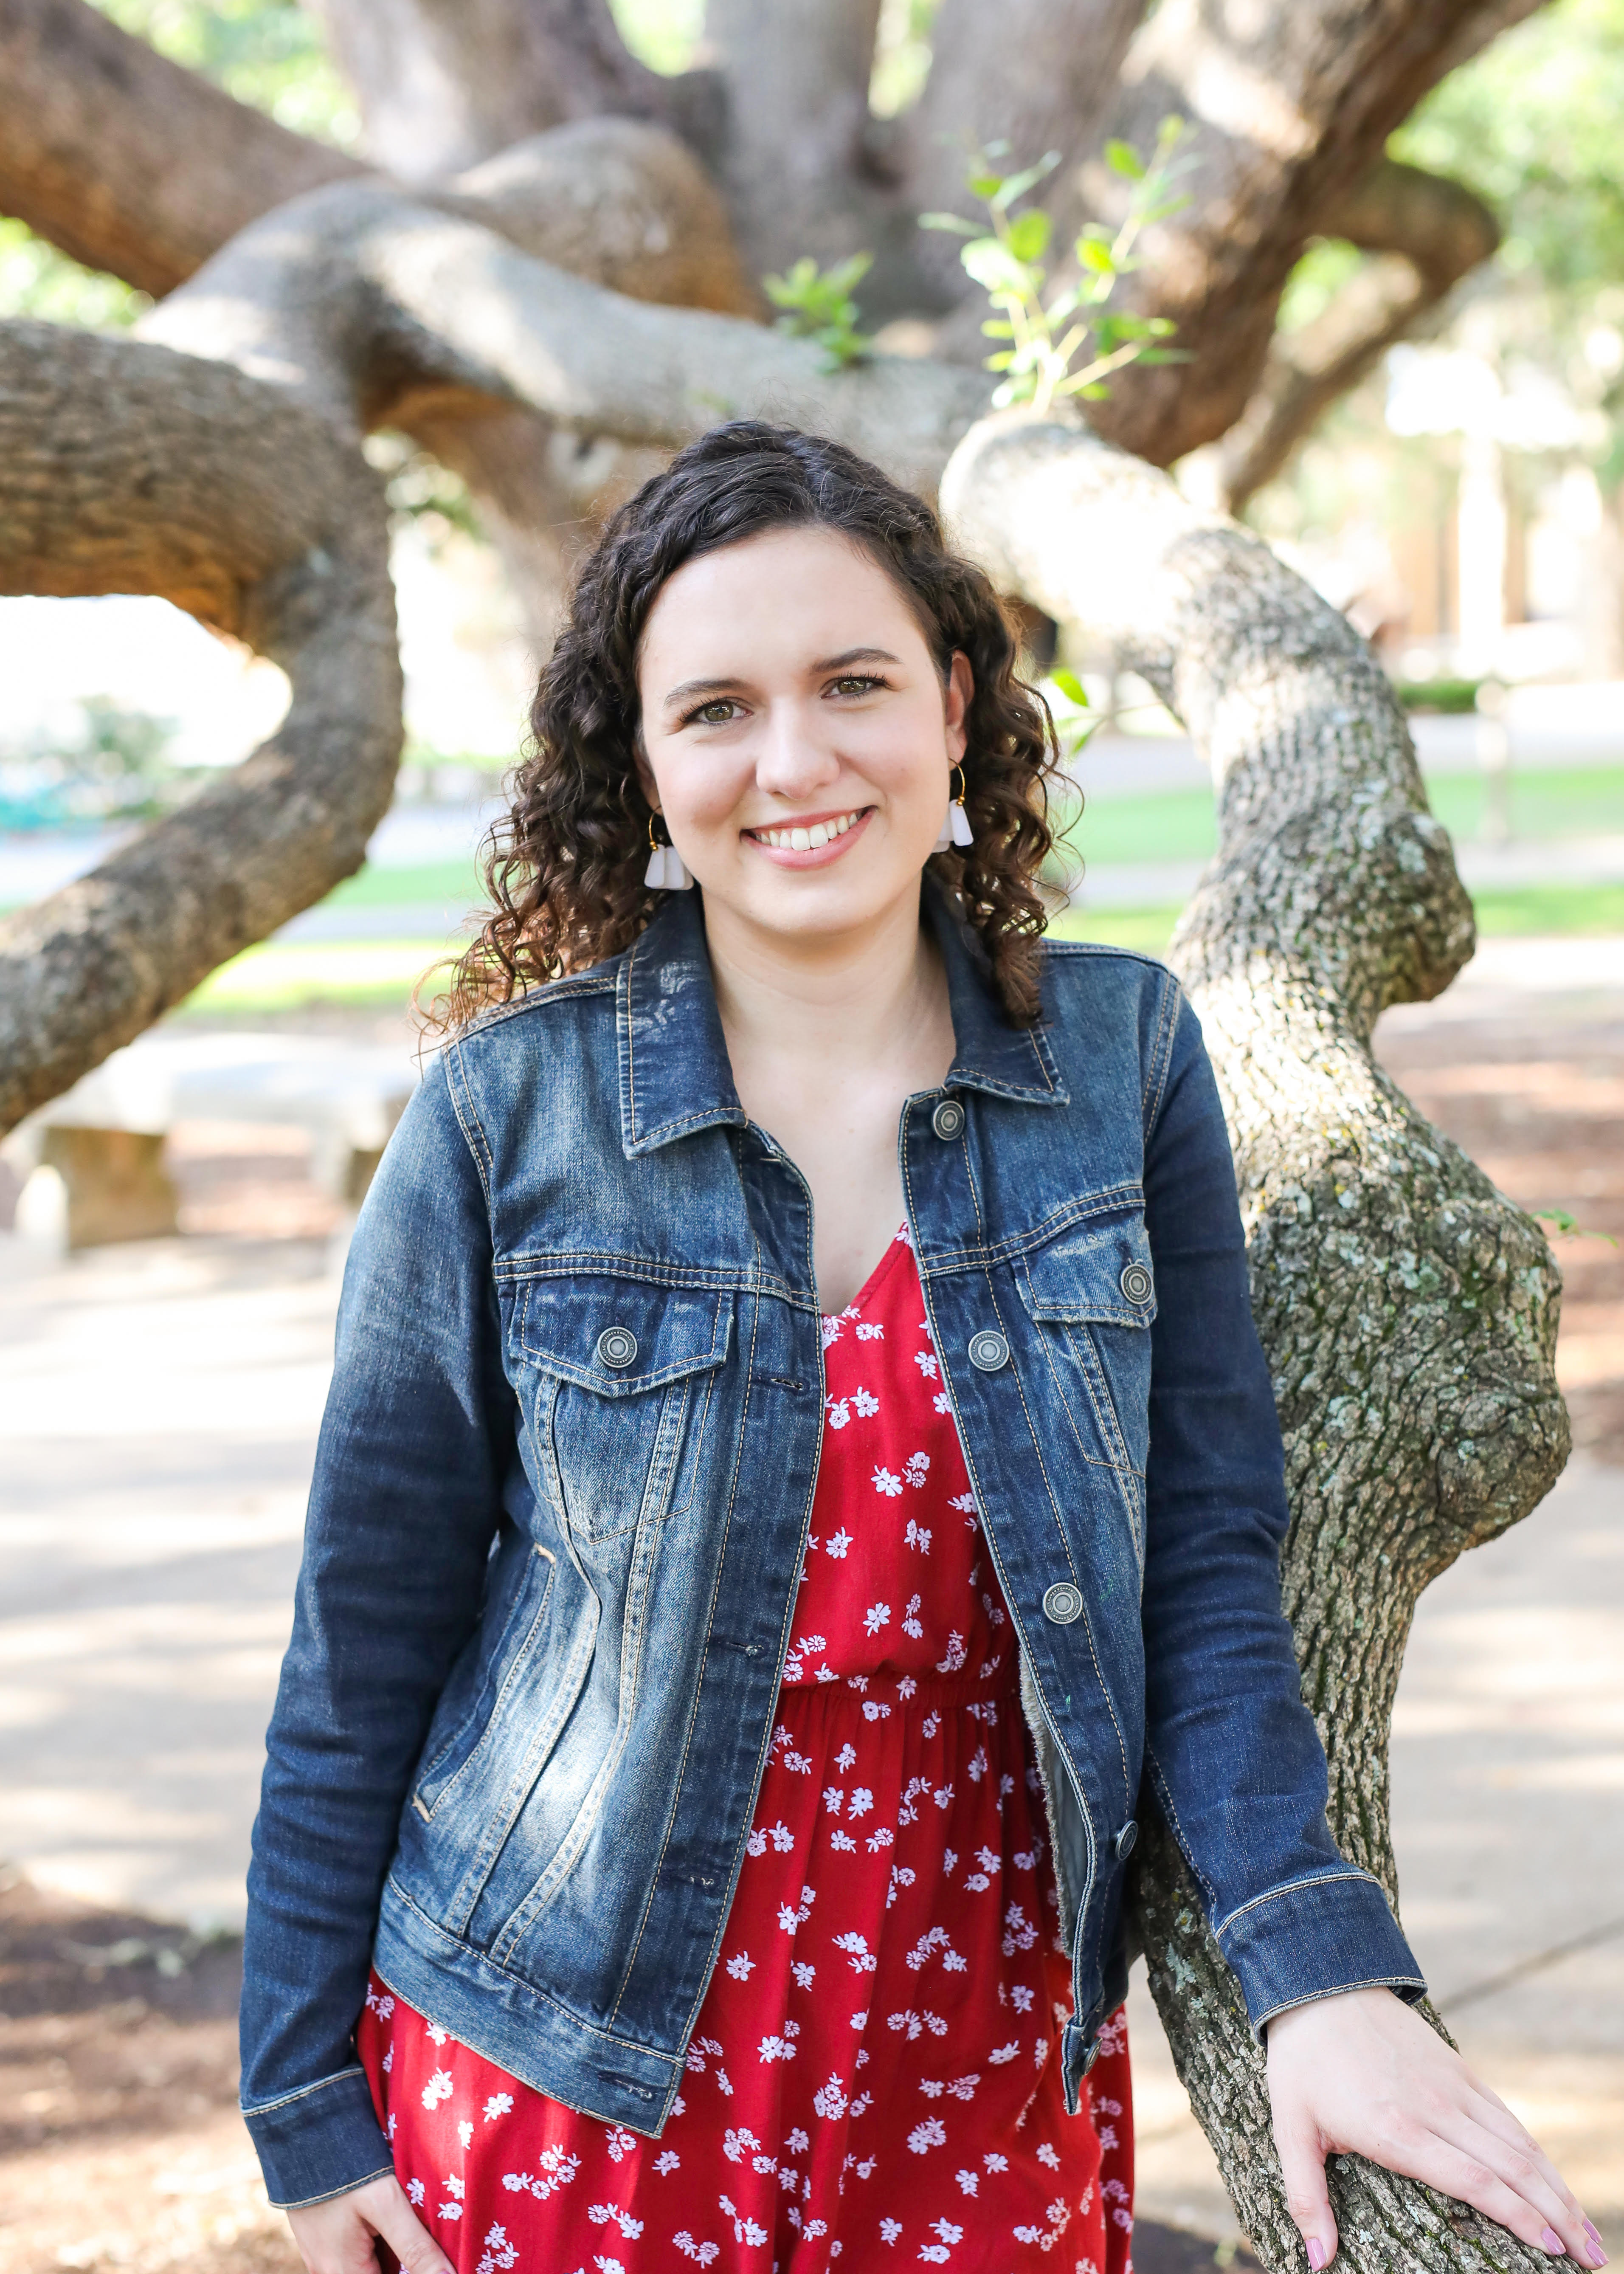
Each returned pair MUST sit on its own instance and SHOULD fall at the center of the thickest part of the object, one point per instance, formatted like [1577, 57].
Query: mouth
[813, 842]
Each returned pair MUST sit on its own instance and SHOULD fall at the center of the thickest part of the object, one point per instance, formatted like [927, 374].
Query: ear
[956, 705]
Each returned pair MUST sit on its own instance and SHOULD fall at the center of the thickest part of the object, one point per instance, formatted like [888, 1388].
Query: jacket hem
[530, 2035]
[319, 2140]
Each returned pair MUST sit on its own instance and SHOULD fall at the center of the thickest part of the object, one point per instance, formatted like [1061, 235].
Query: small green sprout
[818, 306]
[1045, 335]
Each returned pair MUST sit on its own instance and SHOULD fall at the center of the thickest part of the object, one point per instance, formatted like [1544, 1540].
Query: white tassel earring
[666, 871]
[955, 822]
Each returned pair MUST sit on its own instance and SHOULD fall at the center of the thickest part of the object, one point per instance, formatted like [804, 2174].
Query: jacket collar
[674, 1073]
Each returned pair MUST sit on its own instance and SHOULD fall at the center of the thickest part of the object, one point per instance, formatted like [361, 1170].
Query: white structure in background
[1463, 390]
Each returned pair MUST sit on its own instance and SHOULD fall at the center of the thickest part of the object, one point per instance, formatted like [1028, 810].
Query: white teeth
[807, 839]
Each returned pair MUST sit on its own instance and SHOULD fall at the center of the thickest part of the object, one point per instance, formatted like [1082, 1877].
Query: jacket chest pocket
[620, 1376]
[1093, 1295]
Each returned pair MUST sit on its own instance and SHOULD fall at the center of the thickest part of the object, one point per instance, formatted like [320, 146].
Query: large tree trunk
[1408, 1310]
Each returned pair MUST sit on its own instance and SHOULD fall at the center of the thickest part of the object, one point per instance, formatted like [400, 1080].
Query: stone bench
[92, 1161]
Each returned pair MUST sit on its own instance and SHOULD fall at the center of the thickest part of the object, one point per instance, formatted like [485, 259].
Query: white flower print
[416, 2191]
[856, 1948]
[830, 2100]
[701, 2253]
[994, 2162]
[870, 1331]
[1020, 1933]
[388, 2060]
[779, 2048]
[928, 1365]
[499, 2252]
[931, 2133]
[881, 1837]
[846, 1757]
[910, 1617]
[891, 2230]
[452, 2210]
[601, 2214]
[741, 1965]
[965, 1502]
[667, 2162]
[802, 1972]
[745, 2229]
[1046, 2154]
[436, 2034]
[737, 2145]
[619, 2142]
[839, 1411]
[465, 2135]
[790, 1917]
[1021, 1996]
[956, 1654]
[876, 1709]
[887, 1482]
[1002, 2054]
[863, 1402]
[861, 1802]
[916, 1469]
[837, 1543]
[782, 1838]
[834, 1799]
[942, 1403]
[918, 1535]
[438, 2087]
[500, 2104]
[831, 1330]
[798, 2143]
[842, 1842]
[556, 2171]
[877, 1616]
[382, 2006]
[968, 2180]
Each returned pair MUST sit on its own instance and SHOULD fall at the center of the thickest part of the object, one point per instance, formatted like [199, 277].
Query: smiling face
[797, 735]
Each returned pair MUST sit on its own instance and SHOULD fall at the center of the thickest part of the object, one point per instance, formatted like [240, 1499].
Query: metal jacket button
[617, 1347]
[989, 1351]
[1063, 1603]
[1123, 1846]
[949, 1117]
[1136, 1284]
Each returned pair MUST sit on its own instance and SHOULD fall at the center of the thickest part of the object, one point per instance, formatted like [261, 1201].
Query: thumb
[407, 2236]
[1302, 2168]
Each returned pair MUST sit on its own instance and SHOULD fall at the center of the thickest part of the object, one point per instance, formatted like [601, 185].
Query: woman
[799, 1461]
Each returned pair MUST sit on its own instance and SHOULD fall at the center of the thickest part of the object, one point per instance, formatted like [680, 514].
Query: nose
[796, 757]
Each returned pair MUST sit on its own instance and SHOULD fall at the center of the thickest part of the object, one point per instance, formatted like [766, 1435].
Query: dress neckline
[898, 1239]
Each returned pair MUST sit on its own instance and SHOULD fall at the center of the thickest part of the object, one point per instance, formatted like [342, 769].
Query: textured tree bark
[1408, 1310]
[124, 468]
[1424, 233]
[1290, 108]
[127, 162]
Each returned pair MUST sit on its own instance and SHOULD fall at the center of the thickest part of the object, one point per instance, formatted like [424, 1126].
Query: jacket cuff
[318, 2142]
[1313, 1937]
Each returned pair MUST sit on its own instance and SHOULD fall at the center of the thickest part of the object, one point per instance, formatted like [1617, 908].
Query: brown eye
[718, 713]
[857, 684]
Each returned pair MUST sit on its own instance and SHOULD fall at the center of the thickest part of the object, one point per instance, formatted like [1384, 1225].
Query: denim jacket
[561, 1498]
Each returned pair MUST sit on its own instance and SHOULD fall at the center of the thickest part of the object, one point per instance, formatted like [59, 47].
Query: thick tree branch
[442, 84]
[372, 307]
[1408, 1310]
[127, 162]
[125, 468]
[1045, 82]
[1425, 232]
[1291, 107]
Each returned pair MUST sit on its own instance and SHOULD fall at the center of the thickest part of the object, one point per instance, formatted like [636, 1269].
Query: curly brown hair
[564, 867]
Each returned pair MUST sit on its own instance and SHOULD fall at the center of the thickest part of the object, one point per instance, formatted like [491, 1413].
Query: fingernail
[1597, 2256]
[1316, 2253]
[1553, 2242]
[1591, 2232]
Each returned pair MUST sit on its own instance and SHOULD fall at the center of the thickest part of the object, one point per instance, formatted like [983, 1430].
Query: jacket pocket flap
[1100, 1271]
[619, 1337]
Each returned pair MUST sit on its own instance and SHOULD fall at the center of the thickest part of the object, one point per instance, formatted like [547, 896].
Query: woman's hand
[337, 2237]
[1362, 2073]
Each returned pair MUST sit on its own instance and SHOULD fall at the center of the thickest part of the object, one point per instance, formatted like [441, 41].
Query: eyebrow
[691, 688]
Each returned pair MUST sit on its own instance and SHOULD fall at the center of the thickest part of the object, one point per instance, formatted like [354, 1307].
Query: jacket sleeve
[406, 1499]
[1231, 1751]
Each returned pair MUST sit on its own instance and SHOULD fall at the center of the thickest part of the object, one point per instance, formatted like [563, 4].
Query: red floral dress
[875, 2075]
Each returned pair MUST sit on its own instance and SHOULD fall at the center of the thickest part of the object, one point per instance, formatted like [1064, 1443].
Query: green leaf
[1028, 237]
[1095, 256]
[1123, 158]
[1004, 362]
[996, 328]
[954, 222]
[992, 266]
[984, 184]
[1016, 185]
[1072, 687]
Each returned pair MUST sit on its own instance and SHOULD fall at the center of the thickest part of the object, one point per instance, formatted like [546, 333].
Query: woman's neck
[792, 1008]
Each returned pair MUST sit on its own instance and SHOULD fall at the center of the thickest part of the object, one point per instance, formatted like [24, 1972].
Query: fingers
[1466, 2160]
[1302, 2166]
[1492, 2136]
[407, 2236]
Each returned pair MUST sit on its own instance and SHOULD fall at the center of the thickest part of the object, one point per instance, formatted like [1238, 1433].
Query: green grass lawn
[379, 973]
